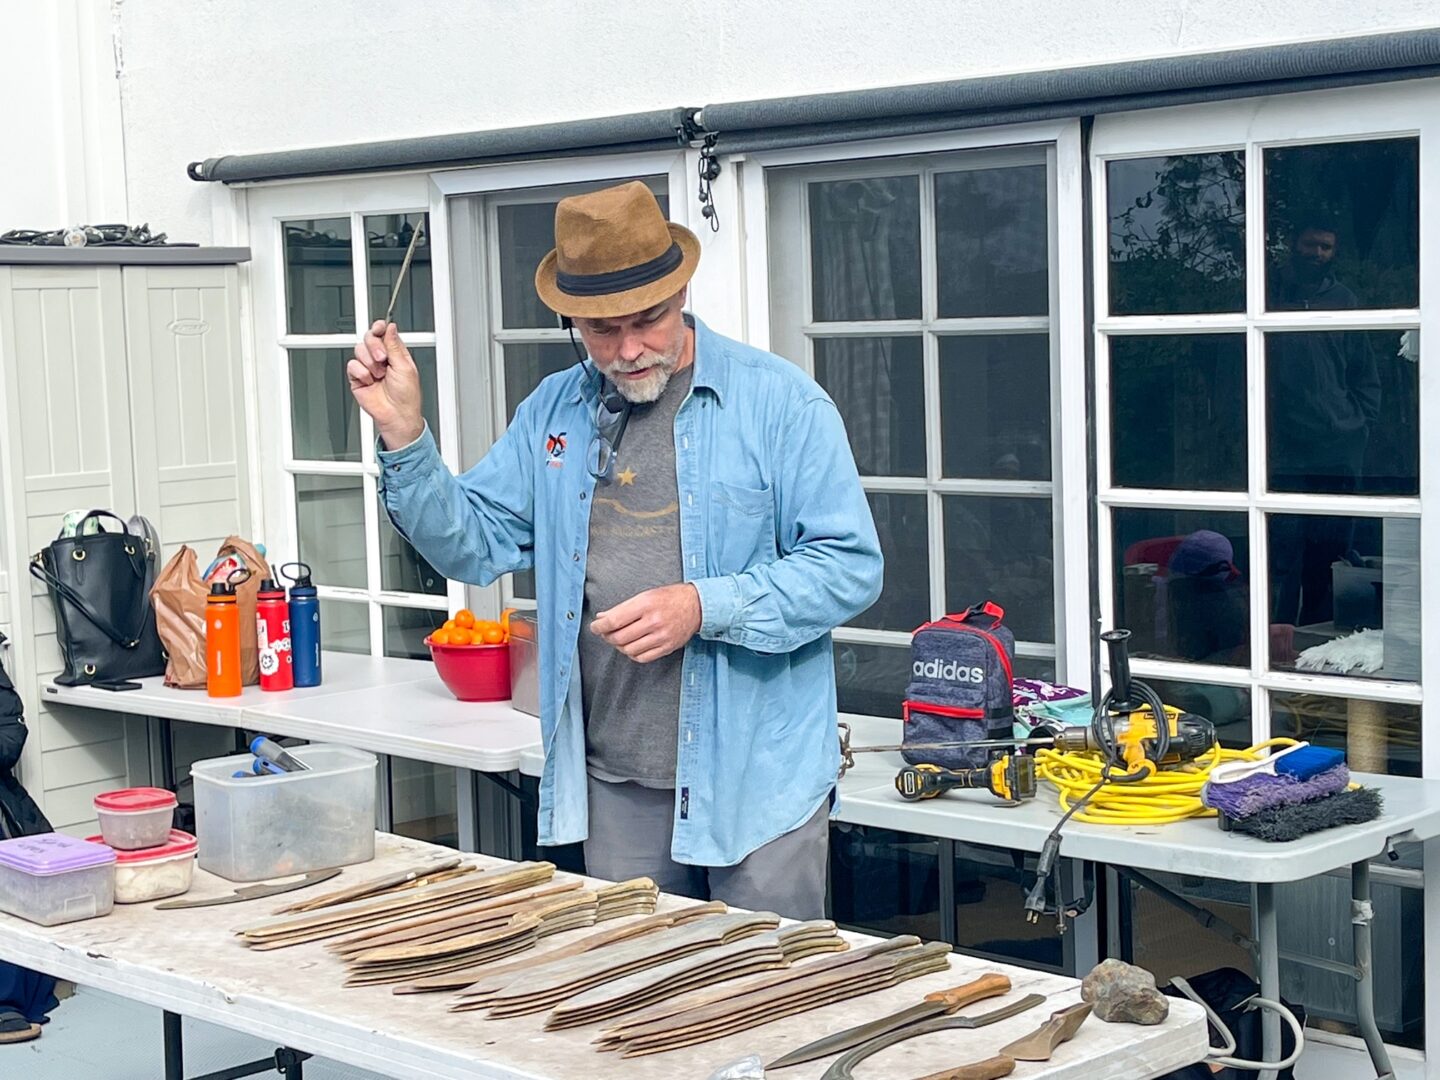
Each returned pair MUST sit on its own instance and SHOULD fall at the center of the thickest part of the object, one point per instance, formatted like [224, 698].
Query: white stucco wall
[204, 77]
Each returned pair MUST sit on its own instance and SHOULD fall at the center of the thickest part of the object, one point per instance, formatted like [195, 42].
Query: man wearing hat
[692, 511]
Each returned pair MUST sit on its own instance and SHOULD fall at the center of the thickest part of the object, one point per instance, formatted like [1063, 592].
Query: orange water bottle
[222, 637]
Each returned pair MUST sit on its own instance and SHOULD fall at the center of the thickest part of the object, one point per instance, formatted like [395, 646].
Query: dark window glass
[995, 406]
[345, 627]
[871, 679]
[1001, 548]
[1177, 411]
[387, 238]
[905, 541]
[992, 245]
[990, 886]
[885, 882]
[1342, 225]
[1346, 590]
[424, 797]
[1377, 736]
[1182, 584]
[330, 511]
[402, 568]
[865, 248]
[527, 364]
[1343, 411]
[1177, 234]
[324, 418]
[319, 281]
[1227, 707]
[406, 630]
[879, 387]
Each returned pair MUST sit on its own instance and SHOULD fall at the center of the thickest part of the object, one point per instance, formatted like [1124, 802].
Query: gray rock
[1124, 994]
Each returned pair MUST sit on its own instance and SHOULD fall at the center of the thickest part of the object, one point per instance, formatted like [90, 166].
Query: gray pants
[630, 829]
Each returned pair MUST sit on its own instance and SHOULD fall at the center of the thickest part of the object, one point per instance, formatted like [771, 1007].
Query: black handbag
[104, 620]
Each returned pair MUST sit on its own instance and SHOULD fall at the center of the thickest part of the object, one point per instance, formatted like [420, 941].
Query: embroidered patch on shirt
[555, 450]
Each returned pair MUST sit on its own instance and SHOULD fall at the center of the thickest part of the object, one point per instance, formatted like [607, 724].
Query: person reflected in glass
[1324, 399]
[1208, 605]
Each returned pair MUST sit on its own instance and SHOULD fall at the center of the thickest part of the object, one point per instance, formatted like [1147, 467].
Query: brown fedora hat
[615, 254]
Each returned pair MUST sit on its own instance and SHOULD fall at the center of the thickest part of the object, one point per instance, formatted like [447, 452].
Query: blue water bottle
[304, 625]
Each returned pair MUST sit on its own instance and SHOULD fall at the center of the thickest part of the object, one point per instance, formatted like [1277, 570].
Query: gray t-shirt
[632, 711]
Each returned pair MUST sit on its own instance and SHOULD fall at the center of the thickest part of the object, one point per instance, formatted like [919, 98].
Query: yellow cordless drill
[1010, 777]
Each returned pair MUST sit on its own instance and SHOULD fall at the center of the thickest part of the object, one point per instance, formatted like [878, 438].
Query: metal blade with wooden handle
[252, 892]
[941, 1003]
[840, 1068]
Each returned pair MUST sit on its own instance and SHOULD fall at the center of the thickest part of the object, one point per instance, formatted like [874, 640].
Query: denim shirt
[775, 534]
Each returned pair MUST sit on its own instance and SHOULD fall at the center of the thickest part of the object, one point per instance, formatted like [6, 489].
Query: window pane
[905, 541]
[871, 679]
[990, 887]
[422, 802]
[885, 882]
[319, 281]
[1043, 668]
[1343, 411]
[865, 248]
[1227, 707]
[387, 238]
[406, 630]
[1377, 736]
[995, 406]
[1342, 225]
[1182, 584]
[1002, 549]
[879, 387]
[1177, 234]
[527, 232]
[1347, 589]
[424, 358]
[1177, 411]
[331, 514]
[345, 627]
[324, 418]
[992, 242]
[526, 365]
[402, 568]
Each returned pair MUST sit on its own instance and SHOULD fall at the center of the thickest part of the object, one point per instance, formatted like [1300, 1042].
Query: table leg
[384, 807]
[1361, 915]
[945, 859]
[467, 810]
[174, 1047]
[167, 755]
[1267, 937]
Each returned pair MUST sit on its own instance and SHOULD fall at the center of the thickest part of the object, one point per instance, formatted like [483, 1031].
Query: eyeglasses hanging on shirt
[612, 414]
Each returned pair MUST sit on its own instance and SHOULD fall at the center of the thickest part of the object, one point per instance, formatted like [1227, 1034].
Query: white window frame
[266, 208]
[1405, 109]
[1065, 326]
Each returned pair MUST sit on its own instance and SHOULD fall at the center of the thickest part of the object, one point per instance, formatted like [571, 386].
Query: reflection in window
[1227, 707]
[387, 239]
[402, 568]
[1177, 411]
[527, 365]
[1342, 225]
[1002, 549]
[1348, 590]
[878, 385]
[871, 679]
[885, 882]
[1182, 584]
[905, 542]
[345, 627]
[324, 418]
[992, 242]
[319, 283]
[865, 248]
[527, 233]
[995, 406]
[1343, 411]
[407, 628]
[330, 511]
[1177, 234]
[1377, 736]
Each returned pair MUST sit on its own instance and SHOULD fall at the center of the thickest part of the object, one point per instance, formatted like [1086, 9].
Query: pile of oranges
[465, 629]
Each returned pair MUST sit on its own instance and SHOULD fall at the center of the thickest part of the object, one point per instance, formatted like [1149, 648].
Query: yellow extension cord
[1163, 797]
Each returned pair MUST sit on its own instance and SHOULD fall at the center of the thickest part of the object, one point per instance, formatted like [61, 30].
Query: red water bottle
[272, 632]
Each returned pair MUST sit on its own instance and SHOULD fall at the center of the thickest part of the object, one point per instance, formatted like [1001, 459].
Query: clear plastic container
[256, 827]
[157, 872]
[135, 818]
[52, 879]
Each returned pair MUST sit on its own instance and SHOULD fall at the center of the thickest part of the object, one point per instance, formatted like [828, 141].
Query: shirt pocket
[742, 527]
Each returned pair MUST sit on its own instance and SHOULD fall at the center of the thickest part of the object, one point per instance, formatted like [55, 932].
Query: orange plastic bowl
[473, 672]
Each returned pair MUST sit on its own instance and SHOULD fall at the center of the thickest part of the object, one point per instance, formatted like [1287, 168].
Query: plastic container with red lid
[135, 818]
[157, 872]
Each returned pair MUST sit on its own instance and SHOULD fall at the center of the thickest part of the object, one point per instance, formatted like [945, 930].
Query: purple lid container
[52, 853]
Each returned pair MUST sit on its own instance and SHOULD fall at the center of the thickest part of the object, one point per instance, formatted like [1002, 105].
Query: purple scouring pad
[1263, 791]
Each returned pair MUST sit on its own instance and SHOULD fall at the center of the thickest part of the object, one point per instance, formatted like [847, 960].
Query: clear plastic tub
[256, 827]
[155, 873]
[135, 818]
[52, 878]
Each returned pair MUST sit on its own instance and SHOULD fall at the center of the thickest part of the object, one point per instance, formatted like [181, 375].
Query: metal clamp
[1362, 912]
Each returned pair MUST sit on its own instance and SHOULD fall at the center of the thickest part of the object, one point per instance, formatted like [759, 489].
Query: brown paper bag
[179, 599]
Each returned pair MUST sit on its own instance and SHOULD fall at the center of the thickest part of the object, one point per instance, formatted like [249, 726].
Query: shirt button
[575, 557]
[570, 615]
[582, 496]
